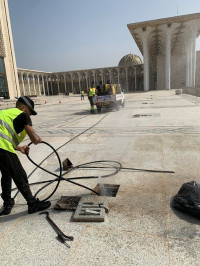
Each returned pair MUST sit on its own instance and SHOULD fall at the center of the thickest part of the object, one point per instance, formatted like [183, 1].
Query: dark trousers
[82, 97]
[11, 168]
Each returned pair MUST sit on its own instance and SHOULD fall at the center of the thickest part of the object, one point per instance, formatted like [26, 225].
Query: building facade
[9, 85]
[129, 73]
[168, 47]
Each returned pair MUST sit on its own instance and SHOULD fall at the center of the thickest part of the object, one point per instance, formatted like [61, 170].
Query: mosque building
[170, 61]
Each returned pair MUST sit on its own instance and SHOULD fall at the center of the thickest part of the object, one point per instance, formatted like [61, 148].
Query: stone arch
[36, 80]
[41, 84]
[106, 75]
[114, 76]
[30, 84]
[68, 83]
[75, 83]
[83, 81]
[46, 88]
[61, 83]
[54, 84]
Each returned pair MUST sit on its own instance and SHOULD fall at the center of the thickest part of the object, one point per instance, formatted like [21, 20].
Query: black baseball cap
[27, 101]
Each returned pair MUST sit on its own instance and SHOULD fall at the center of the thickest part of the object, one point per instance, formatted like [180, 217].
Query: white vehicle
[113, 97]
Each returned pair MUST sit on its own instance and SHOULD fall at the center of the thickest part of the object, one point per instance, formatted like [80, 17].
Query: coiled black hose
[61, 178]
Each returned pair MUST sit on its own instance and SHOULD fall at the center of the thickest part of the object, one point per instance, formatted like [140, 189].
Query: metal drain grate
[108, 190]
[145, 115]
[67, 203]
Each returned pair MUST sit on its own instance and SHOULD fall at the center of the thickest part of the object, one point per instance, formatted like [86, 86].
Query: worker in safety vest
[82, 95]
[91, 93]
[15, 123]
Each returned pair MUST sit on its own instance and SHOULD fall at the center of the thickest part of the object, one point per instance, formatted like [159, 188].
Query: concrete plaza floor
[156, 130]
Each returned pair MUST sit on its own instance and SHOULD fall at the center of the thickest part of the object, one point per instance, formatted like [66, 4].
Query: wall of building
[6, 41]
[160, 72]
[198, 68]
[178, 71]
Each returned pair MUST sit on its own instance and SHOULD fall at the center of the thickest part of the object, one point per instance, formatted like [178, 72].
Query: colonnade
[46, 83]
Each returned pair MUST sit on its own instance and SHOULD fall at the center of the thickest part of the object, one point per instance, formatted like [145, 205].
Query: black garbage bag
[188, 199]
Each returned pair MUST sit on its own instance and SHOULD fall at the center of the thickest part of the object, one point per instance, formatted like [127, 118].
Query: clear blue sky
[58, 35]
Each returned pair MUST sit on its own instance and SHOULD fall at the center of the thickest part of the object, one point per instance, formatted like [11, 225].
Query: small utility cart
[109, 96]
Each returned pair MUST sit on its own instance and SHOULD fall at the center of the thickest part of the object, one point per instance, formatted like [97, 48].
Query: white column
[47, 86]
[58, 85]
[79, 82]
[193, 58]
[43, 85]
[39, 85]
[193, 28]
[72, 84]
[29, 88]
[188, 64]
[23, 85]
[65, 84]
[51, 87]
[135, 78]
[34, 85]
[146, 62]
[168, 61]
[86, 76]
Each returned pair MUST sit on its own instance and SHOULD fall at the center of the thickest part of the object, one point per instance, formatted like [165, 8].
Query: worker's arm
[32, 135]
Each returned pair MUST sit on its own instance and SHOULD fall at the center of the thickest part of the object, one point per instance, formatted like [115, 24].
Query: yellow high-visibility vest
[9, 139]
[92, 92]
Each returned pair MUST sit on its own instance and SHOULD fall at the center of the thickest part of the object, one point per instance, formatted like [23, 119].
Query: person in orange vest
[91, 93]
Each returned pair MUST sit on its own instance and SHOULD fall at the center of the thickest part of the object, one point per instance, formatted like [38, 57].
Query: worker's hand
[23, 149]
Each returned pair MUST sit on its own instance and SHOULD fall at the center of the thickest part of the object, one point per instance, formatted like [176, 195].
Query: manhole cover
[108, 190]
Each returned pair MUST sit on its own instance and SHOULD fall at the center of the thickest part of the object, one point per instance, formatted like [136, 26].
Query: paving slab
[140, 228]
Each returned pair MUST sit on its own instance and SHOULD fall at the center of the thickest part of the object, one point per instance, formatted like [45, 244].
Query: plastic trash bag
[188, 199]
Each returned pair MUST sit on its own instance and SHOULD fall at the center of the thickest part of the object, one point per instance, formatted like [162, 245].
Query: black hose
[60, 177]
[53, 152]
[60, 166]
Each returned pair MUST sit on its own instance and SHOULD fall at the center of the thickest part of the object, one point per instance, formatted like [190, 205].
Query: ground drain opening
[140, 115]
[108, 190]
[146, 115]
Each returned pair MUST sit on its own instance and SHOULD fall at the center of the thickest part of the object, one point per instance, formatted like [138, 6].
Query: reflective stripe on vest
[9, 138]
[16, 142]
[4, 136]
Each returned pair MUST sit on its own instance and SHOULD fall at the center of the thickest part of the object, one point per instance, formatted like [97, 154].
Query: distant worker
[91, 93]
[82, 95]
[15, 123]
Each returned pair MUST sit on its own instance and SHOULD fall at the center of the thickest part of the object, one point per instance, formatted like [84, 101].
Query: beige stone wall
[160, 72]
[178, 71]
[198, 68]
[6, 41]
